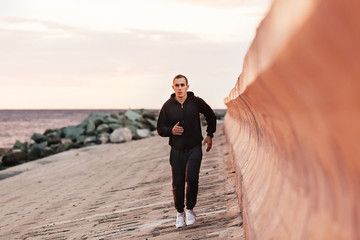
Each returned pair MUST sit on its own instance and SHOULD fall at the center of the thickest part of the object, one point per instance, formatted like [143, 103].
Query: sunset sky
[121, 53]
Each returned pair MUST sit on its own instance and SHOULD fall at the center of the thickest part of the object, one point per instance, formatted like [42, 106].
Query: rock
[38, 138]
[99, 121]
[114, 126]
[143, 133]
[104, 138]
[80, 141]
[78, 144]
[121, 135]
[30, 143]
[55, 147]
[53, 138]
[81, 130]
[35, 150]
[72, 132]
[14, 158]
[132, 115]
[154, 133]
[19, 145]
[97, 117]
[152, 123]
[16, 150]
[51, 130]
[90, 128]
[141, 124]
[132, 129]
[102, 128]
[150, 115]
[123, 121]
[109, 119]
[220, 114]
[89, 140]
[65, 146]
[47, 151]
[66, 140]
[4, 151]
[115, 115]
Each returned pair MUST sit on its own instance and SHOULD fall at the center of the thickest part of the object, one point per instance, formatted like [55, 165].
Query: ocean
[21, 124]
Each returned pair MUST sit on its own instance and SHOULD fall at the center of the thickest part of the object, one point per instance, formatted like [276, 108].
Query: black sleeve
[209, 116]
[163, 125]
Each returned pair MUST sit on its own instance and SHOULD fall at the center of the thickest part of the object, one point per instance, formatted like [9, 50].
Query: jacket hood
[189, 96]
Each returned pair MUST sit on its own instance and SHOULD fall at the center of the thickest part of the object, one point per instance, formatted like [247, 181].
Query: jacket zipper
[183, 117]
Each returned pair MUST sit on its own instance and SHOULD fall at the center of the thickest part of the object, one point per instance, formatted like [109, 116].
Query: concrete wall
[293, 123]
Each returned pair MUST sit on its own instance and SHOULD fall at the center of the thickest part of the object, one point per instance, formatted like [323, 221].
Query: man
[179, 119]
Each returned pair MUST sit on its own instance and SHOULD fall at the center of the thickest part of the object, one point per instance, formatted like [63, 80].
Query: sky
[119, 54]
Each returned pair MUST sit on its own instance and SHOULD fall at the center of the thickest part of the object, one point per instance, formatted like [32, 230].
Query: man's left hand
[208, 141]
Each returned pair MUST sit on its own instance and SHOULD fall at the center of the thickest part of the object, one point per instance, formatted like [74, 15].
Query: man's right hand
[177, 130]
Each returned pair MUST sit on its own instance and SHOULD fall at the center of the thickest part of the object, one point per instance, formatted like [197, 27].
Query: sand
[116, 191]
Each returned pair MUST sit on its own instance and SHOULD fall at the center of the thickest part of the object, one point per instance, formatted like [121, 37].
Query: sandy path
[120, 191]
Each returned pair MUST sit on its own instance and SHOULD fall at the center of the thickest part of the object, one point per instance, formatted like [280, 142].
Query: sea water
[21, 124]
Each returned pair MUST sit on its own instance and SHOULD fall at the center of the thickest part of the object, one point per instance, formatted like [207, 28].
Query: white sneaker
[180, 220]
[190, 217]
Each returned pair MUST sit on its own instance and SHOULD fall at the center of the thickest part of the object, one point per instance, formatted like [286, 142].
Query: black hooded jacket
[188, 115]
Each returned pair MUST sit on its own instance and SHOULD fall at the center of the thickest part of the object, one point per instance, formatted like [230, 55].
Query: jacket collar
[190, 95]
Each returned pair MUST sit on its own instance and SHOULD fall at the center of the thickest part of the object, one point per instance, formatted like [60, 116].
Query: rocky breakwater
[292, 123]
[97, 128]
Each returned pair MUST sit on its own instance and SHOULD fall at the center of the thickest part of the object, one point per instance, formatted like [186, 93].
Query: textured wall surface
[293, 123]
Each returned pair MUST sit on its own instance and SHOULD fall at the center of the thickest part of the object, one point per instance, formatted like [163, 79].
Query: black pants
[185, 165]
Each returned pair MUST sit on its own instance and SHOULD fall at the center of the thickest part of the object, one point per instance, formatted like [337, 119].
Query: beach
[116, 191]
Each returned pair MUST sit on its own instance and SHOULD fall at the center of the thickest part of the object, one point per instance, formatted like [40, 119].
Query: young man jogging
[179, 119]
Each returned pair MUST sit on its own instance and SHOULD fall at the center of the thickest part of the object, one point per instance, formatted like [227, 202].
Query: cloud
[136, 60]
[35, 25]
[127, 49]
[226, 3]
[92, 52]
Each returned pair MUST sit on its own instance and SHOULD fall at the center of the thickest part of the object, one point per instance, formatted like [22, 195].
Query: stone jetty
[97, 128]
[116, 191]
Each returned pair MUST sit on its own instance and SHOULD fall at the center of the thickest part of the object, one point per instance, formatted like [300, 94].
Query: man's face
[180, 87]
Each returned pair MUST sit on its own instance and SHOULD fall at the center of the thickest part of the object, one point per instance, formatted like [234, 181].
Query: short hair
[180, 76]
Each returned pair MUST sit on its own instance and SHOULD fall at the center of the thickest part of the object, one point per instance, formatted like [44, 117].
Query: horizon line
[20, 109]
